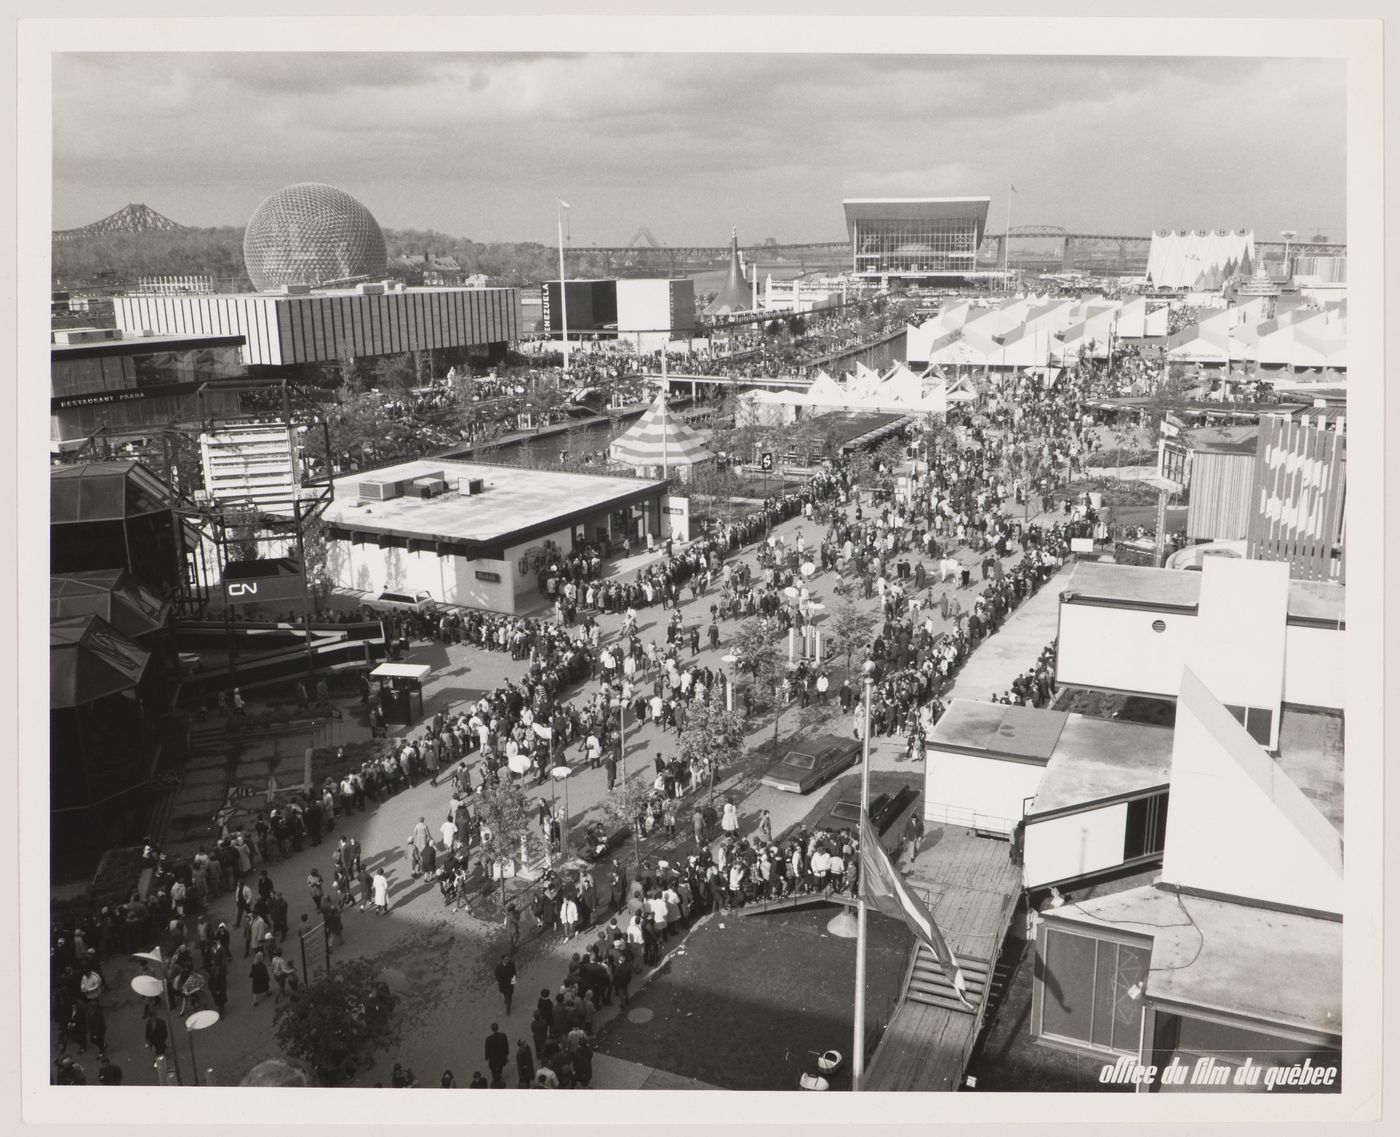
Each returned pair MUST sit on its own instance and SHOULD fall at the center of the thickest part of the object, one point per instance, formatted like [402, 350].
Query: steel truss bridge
[1123, 252]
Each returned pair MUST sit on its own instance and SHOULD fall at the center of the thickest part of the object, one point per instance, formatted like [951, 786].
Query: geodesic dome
[311, 233]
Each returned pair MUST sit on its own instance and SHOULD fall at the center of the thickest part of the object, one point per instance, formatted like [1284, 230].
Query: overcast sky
[688, 146]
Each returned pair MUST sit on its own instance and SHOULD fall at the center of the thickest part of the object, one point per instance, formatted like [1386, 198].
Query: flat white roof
[516, 503]
[1099, 760]
[1175, 588]
[1238, 959]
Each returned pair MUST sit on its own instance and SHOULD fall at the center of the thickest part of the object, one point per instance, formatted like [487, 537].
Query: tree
[316, 563]
[891, 456]
[861, 467]
[623, 807]
[754, 646]
[760, 657]
[396, 371]
[711, 735]
[508, 837]
[336, 1021]
[1166, 393]
[852, 629]
[241, 532]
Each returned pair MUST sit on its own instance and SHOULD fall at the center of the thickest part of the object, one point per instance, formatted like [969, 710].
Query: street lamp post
[561, 774]
[151, 987]
[200, 1020]
[858, 1042]
[622, 739]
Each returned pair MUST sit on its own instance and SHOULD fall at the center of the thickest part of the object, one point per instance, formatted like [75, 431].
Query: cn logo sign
[242, 588]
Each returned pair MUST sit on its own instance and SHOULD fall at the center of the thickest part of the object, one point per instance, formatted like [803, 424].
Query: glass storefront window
[1085, 983]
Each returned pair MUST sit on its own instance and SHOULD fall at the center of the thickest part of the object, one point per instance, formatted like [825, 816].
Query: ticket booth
[400, 694]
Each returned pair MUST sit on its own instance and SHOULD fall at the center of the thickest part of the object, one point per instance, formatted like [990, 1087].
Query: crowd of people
[963, 495]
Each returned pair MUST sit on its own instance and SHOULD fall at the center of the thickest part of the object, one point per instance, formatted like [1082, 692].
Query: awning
[401, 671]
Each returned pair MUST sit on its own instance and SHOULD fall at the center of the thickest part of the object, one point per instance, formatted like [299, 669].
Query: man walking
[913, 836]
[497, 1056]
[505, 979]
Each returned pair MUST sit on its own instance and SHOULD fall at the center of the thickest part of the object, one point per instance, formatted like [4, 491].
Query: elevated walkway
[971, 887]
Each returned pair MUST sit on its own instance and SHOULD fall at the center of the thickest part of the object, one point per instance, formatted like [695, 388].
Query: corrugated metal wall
[314, 329]
[1221, 494]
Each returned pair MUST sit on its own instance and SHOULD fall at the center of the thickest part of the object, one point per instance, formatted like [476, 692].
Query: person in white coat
[381, 892]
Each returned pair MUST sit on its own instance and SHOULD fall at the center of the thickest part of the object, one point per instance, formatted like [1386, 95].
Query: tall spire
[734, 296]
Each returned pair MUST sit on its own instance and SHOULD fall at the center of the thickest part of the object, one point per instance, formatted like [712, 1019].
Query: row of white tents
[1245, 334]
[1030, 332]
[897, 391]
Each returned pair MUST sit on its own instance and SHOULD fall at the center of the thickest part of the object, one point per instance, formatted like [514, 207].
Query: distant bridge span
[812, 255]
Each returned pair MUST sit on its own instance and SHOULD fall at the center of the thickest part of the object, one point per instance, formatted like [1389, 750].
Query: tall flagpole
[858, 1030]
[563, 292]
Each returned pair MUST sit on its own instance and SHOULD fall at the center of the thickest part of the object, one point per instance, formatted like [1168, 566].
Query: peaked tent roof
[735, 295]
[658, 439]
[826, 392]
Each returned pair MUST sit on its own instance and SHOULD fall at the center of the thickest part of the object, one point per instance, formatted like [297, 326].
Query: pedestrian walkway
[1013, 650]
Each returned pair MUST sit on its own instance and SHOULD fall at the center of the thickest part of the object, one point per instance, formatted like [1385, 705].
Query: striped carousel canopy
[658, 438]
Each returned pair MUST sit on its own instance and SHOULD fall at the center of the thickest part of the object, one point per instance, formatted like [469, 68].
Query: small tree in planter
[335, 1022]
[508, 837]
[852, 629]
[711, 735]
[623, 806]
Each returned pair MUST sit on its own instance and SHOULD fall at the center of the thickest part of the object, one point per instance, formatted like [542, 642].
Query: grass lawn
[749, 1001]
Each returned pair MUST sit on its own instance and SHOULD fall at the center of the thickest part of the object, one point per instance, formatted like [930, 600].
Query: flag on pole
[884, 890]
[565, 204]
[1013, 190]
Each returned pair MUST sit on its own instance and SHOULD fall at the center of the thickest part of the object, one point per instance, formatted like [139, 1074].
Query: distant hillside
[120, 257]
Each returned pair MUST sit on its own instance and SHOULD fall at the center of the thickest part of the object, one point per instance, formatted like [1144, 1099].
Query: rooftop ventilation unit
[470, 486]
[380, 491]
[427, 487]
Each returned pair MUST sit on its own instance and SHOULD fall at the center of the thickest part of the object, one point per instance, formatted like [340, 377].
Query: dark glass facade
[93, 390]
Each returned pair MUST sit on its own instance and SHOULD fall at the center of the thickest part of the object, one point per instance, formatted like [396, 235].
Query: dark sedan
[885, 811]
[812, 762]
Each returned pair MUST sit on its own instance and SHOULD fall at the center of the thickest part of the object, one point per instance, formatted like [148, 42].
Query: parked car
[812, 762]
[888, 813]
[402, 602]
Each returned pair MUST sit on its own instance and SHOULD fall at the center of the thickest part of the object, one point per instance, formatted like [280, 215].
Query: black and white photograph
[753, 554]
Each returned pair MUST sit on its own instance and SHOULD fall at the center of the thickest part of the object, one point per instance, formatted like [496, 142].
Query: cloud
[480, 144]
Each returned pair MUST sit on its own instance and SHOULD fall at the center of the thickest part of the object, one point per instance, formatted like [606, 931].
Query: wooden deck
[971, 887]
[923, 1048]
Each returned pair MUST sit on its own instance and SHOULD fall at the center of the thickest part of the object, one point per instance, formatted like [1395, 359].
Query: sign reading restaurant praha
[273, 580]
